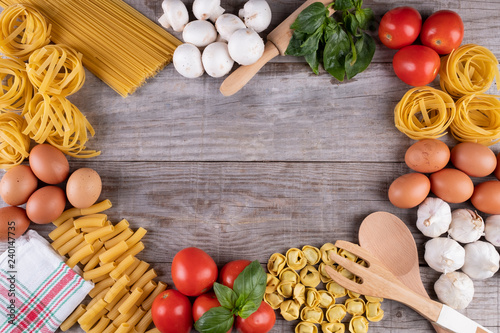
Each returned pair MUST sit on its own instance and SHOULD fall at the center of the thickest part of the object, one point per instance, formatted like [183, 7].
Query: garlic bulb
[492, 230]
[455, 289]
[481, 260]
[444, 254]
[466, 226]
[433, 217]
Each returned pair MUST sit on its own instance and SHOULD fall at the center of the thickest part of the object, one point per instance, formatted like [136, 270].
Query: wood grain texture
[292, 159]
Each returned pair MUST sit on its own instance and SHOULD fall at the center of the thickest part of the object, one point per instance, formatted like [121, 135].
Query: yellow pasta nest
[23, 30]
[14, 145]
[424, 113]
[477, 119]
[56, 120]
[16, 89]
[56, 70]
[467, 70]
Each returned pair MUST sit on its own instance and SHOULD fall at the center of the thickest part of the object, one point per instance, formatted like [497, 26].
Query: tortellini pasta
[348, 255]
[336, 289]
[296, 259]
[312, 254]
[325, 278]
[272, 283]
[353, 294]
[299, 293]
[355, 306]
[309, 276]
[374, 299]
[326, 299]
[312, 297]
[290, 275]
[285, 288]
[327, 327]
[312, 315]
[274, 300]
[374, 311]
[276, 264]
[358, 324]
[344, 272]
[306, 327]
[326, 249]
[335, 313]
[290, 310]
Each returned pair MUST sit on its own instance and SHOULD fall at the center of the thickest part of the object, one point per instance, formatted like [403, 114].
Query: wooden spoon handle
[237, 80]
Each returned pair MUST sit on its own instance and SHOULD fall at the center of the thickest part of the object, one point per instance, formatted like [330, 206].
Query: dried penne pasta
[65, 226]
[100, 278]
[108, 282]
[73, 318]
[146, 305]
[136, 237]
[94, 220]
[94, 261]
[123, 328]
[67, 214]
[148, 276]
[138, 272]
[153, 330]
[138, 314]
[146, 291]
[118, 271]
[70, 245]
[101, 325]
[79, 255]
[114, 252]
[97, 208]
[117, 299]
[82, 244]
[110, 329]
[132, 267]
[124, 317]
[116, 288]
[119, 227]
[90, 229]
[134, 250]
[94, 320]
[97, 247]
[97, 297]
[114, 313]
[122, 236]
[92, 312]
[144, 323]
[64, 238]
[131, 300]
[94, 235]
[100, 271]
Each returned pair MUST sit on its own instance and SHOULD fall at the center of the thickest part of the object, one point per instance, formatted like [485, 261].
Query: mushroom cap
[199, 33]
[176, 15]
[216, 59]
[207, 9]
[226, 24]
[245, 46]
[257, 15]
[187, 61]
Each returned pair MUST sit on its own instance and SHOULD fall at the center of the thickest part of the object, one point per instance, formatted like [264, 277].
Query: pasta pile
[288, 291]
[14, 145]
[119, 45]
[16, 89]
[124, 287]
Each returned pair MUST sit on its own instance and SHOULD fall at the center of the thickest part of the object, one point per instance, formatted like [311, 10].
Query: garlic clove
[433, 217]
[466, 226]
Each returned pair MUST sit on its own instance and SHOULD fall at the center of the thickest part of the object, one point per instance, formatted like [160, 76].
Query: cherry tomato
[193, 271]
[400, 27]
[203, 303]
[171, 312]
[443, 31]
[416, 65]
[261, 321]
[231, 270]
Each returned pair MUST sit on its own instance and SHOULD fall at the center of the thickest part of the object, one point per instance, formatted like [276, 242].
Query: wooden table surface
[293, 159]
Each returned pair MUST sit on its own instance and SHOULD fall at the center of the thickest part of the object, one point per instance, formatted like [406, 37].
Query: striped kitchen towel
[38, 291]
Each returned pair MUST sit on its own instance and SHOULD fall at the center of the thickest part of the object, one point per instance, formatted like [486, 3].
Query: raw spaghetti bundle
[16, 89]
[424, 112]
[467, 70]
[55, 120]
[477, 119]
[14, 145]
[56, 70]
[23, 29]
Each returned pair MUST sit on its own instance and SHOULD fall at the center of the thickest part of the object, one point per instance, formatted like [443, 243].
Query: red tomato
[400, 27]
[443, 31]
[260, 321]
[193, 271]
[203, 303]
[231, 270]
[171, 312]
[416, 65]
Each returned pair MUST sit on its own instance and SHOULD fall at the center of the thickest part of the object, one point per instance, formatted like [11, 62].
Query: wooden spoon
[390, 241]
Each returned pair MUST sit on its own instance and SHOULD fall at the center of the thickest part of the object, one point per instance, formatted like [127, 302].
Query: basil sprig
[339, 42]
[243, 300]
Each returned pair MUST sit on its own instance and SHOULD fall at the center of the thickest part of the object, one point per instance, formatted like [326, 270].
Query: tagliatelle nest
[14, 145]
[16, 89]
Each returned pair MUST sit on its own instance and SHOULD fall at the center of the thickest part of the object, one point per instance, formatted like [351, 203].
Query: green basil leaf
[336, 49]
[331, 28]
[311, 43]
[215, 320]
[358, 3]
[351, 23]
[294, 49]
[313, 61]
[365, 49]
[248, 309]
[364, 17]
[225, 295]
[250, 286]
[310, 18]
[342, 5]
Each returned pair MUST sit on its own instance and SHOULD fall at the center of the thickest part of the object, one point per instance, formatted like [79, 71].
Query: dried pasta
[14, 145]
[477, 119]
[73, 317]
[424, 113]
[24, 29]
[469, 69]
[16, 90]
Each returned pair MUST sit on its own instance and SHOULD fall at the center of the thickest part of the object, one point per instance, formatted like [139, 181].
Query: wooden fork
[377, 281]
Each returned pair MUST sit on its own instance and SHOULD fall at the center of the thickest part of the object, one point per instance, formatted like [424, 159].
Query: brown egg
[83, 188]
[486, 197]
[17, 185]
[451, 185]
[46, 204]
[474, 159]
[13, 222]
[49, 164]
[409, 190]
[497, 169]
[427, 156]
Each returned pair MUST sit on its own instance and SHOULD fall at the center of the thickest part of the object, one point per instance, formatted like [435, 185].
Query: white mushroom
[199, 33]
[226, 24]
[175, 15]
[187, 61]
[245, 46]
[216, 59]
[207, 9]
[256, 14]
